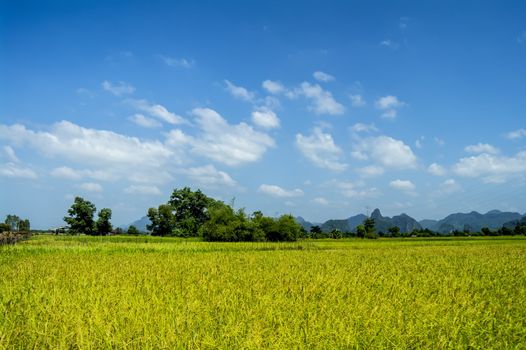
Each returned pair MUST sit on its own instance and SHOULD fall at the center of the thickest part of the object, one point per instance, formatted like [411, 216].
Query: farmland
[152, 292]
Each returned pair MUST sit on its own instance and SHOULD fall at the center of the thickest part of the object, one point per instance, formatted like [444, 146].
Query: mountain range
[472, 221]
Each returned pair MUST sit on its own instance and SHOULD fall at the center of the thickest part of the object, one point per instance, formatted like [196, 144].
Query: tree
[12, 221]
[288, 228]
[132, 230]
[360, 231]
[80, 219]
[190, 210]
[103, 224]
[315, 231]
[24, 225]
[370, 231]
[394, 231]
[162, 220]
[486, 231]
[4, 227]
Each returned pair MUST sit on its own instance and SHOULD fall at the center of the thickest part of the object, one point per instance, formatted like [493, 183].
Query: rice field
[61, 292]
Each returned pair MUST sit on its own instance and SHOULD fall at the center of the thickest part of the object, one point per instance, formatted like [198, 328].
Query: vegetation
[80, 218]
[191, 214]
[64, 292]
[14, 223]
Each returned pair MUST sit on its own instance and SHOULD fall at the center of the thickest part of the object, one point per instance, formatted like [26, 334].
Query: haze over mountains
[472, 221]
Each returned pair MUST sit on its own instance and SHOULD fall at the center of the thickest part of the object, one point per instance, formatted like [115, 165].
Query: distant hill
[139, 224]
[474, 221]
[403, 221]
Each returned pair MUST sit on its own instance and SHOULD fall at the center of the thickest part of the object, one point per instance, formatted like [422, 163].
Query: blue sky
[319, 109]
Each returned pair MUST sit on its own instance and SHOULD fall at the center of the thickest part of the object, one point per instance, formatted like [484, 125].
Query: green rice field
[69, 292]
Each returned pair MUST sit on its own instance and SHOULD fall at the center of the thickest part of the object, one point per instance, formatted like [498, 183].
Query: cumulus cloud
[276, 191]
[91, 187]
[145, 122]
[273, 87]
[516, 134]
[177, 62]
[107, 155]
[239, 91]
[371, 170]
[265, 118]
[389, 105]
[209, 176]
[354, 189]
[357, 100]
[65, 172]
[320, 201]
[436, 169]
[446, 188]
[361, 127]
[389, 44]
[482, 148]
[118, 89]
[143, 189]
[322, 101]
[320, 149]
[323, 77]
[385, 150]
[492, 168]
[14, 170]
[158, 111]
[404, 185]
[221, 141]
[10, 154]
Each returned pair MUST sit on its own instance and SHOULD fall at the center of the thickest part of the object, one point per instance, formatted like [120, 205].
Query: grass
[148, 292]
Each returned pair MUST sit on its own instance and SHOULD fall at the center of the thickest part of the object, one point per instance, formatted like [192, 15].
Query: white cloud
[403, 185]
[354, 189]
[145, 122]
[361, 127]
[439, 141]
[65, 172]
[10, 154]
[521, 39]
[91, 187]
[320, 201]
[322, 100]
[265, 118]
[323, 77]
[436, 169]
[385, 150]
[390, 44]
[239, 91]
[320, 149]
[119, 89]
[418, 142]
[73, 142]
[17, 171]
[177, 62]
[357, 100]
[389, 104]
[109, 155]
[273, 87]
[516, 134]
[220, 141]
[142, 189]
[446, 188]
[276, 191]
[157, 111]
[209, 176]
[492, 168]
[371, 170]
[482, 148]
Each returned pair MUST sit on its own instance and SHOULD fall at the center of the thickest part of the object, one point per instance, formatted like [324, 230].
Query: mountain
[139, 224]
[343, 225]
[427, 223]
[305, 224]
[474, 221]
[403, 221]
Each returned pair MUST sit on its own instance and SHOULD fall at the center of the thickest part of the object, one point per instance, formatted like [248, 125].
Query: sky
[321, 109]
